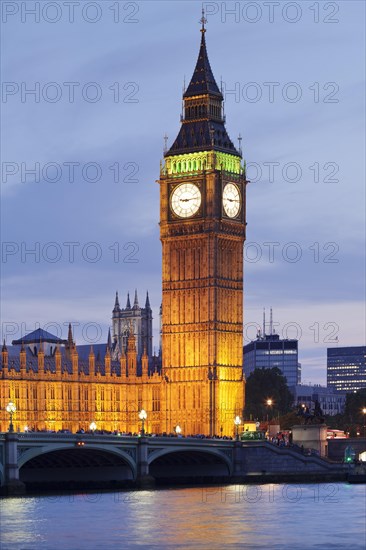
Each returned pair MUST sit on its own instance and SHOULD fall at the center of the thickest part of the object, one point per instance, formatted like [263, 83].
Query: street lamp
[237, 423]
[92, 427]
[178, 430]
[143, 417]
[269, 404]
[11, 408]
[364, 422]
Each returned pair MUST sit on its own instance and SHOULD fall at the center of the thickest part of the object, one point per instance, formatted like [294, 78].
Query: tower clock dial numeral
[231, 200]
[186, 200]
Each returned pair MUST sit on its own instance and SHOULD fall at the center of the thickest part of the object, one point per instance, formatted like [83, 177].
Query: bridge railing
[57, 436]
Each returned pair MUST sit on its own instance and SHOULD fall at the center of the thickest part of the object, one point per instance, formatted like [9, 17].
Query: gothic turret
[136, 301]
[41, 366]
[69, 346]
[107, 362]
[58, 358]
[145, 363]
[91, 359]
[5, 356]
[147, 302]
[23, 359]
[128, 304]
[131, 353]
[116, 308]
[123, 363]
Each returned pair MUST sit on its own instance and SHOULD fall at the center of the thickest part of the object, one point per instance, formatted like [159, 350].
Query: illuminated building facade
[346, 368]
[200, 386]
[331, 402]
[202, 230]
[55, 390]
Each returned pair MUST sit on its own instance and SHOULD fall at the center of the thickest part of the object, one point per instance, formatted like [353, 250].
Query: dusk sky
[106, 93]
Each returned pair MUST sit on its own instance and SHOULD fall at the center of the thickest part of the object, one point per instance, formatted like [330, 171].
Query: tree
[267, 393]
[353, 409]
[353, 419]
[289, 420]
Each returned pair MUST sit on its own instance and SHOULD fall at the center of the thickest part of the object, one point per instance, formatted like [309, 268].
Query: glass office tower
[346, 368]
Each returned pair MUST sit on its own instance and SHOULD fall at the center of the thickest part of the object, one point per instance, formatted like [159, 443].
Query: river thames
[295, 516]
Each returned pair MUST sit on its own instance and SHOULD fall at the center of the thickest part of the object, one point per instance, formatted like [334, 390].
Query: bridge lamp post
[11, 408]
[92, 427]
[237, 423]
[143, 417]
[178, 430]
[364, 422]
[269, 404]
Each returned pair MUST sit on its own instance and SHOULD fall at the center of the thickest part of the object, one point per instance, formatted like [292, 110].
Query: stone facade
[202, 242]
[200, 386]
[62, 392]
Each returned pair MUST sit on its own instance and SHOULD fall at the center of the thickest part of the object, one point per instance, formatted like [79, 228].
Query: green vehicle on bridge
[252, 435]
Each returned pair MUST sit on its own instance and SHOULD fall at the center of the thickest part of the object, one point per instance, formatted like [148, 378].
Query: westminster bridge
[62, 458]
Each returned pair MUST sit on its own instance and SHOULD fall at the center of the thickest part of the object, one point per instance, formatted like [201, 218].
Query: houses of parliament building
[196, 380]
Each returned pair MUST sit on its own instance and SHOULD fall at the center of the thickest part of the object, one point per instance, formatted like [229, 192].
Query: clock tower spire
[202, 230]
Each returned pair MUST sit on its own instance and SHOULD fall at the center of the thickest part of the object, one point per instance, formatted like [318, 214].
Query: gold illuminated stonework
[202, 306]
[199, 384]
[64, 393]
[202, 321]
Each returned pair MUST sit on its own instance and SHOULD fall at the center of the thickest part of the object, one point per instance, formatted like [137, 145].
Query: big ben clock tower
[202, 230]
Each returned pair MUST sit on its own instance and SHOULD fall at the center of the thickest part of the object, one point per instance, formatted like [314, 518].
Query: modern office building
[269, 351]
[330, 401]
[346, 368]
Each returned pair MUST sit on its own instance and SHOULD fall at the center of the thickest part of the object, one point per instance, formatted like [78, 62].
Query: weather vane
[203, 21]
[165, 143]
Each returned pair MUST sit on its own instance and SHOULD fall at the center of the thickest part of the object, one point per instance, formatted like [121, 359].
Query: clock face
[185, 200]
[231, 200]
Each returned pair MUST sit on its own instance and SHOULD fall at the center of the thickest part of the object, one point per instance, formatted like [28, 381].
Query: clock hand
[186, 200]
[232, 200]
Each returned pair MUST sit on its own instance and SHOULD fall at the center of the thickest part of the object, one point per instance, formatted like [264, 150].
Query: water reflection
[255, 516]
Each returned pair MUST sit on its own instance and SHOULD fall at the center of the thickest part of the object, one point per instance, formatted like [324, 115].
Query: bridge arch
[190, 462]
[64, 463]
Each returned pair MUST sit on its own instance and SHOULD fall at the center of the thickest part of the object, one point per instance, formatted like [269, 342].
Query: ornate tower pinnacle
[203, 121]
[136, 301]
[203, 21]
[116, 308]
[70, 340]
